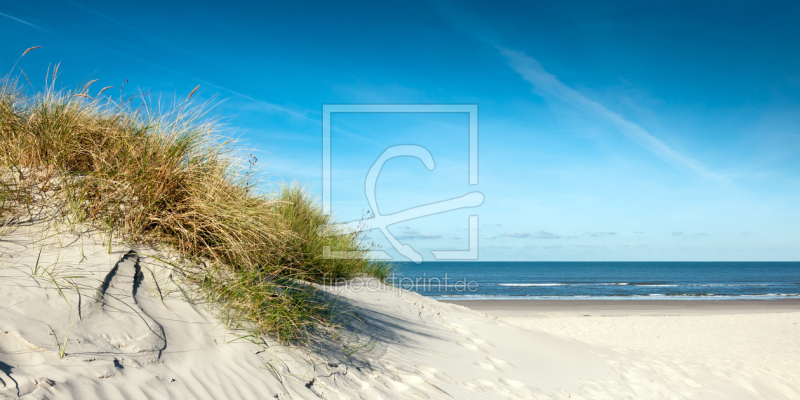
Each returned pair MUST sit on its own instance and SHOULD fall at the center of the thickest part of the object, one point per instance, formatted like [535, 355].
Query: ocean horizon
[600, 280]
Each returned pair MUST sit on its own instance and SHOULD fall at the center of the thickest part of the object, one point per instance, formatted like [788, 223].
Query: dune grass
[167, 177]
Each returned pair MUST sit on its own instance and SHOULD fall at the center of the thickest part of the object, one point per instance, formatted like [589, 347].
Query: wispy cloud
[410, 234]
[533, 72]
[266, 105]
[515, 234]
[304, 114]
[535, 235]
[145, 33]
[26, 23]
[546, 235]
[677, 234]
[601, 234]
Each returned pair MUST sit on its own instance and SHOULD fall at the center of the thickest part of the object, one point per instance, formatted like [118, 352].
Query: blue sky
[608, 130]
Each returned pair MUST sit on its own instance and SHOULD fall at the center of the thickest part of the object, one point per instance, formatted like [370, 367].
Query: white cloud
[533, 72]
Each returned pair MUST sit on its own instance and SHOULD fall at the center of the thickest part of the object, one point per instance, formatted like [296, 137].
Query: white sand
[128, 344]
[747, 355]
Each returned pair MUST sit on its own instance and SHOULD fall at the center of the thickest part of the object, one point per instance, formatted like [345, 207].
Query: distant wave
[533, 284]
[732, 284]
[708, 285]
[661, 285]
[654, 296]
[413, 286]
[641, 284]
[561, 284]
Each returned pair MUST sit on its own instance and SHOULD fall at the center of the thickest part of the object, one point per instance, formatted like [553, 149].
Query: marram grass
[166, 177]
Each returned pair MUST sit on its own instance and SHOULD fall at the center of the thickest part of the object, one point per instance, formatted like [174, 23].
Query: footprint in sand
[512, 383]
[433, 374]
[498, 362]
[481, 343]
[429, 372]
[405, 382]
[471, 386]
[493, 387]
[485, 366]
[411, 378]
[400, 387]
[468, 346]
[460, 329]
[519, 388]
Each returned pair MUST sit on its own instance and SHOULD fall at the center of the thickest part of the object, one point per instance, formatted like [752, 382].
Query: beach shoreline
[522, 307]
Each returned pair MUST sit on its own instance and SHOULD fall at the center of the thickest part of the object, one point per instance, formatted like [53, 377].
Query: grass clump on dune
[167, 177]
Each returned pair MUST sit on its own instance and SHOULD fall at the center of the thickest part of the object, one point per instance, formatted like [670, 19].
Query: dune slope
[81, 319]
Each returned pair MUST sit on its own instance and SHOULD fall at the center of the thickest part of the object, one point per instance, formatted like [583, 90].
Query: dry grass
[166, 176]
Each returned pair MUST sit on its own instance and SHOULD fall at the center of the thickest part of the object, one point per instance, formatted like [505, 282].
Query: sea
[600, 280]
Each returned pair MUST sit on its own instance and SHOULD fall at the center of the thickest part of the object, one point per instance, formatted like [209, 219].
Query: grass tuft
[166, 176]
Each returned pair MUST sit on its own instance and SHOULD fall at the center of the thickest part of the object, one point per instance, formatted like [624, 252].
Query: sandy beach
[84, 320]
[739, 349]
[527, 308]
[62, 343]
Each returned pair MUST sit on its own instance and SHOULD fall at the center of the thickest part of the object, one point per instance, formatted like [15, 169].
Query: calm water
[601, 280]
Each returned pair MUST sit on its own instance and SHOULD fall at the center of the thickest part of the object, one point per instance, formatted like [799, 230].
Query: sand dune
[128, 330]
